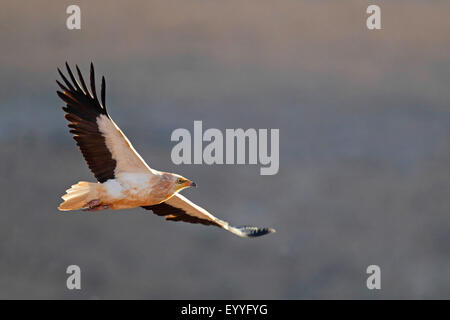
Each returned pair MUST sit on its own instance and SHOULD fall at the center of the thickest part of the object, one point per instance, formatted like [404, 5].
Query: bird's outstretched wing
[179, 208]
[105, 148]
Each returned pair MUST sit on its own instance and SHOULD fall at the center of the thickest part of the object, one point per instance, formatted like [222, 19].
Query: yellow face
[181, 183]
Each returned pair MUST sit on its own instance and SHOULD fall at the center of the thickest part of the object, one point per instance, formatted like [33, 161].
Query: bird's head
[180, 183]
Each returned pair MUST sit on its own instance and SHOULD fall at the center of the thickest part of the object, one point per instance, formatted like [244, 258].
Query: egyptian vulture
[124, 179]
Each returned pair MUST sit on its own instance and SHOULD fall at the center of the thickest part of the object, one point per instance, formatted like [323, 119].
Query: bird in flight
[124, 179]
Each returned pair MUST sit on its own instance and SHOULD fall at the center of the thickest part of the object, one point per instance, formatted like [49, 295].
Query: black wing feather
[83, 84]
[93, 90]
[103, 92]
[82, 110]
[176, 214]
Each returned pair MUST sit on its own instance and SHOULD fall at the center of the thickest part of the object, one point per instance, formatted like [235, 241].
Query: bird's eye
[180, 181]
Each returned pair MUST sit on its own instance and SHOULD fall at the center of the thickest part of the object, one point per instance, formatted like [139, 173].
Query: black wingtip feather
[61, 95]
[252, 232]
[77, 95]
[103, 92]
[68, 84]
[61, 86]
[94, 92]
[74, 81]
[83, 84]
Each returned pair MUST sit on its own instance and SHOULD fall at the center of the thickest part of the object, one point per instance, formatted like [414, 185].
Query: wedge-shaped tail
[79, 195]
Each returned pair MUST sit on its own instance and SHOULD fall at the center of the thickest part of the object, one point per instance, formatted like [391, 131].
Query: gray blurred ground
[364, 125]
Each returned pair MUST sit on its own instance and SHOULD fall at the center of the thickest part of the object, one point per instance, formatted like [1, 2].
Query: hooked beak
[192, 184]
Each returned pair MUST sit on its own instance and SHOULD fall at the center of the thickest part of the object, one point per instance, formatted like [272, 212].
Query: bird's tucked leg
[95, 205]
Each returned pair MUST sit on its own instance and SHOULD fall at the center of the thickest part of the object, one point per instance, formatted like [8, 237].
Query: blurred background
[364, 125]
